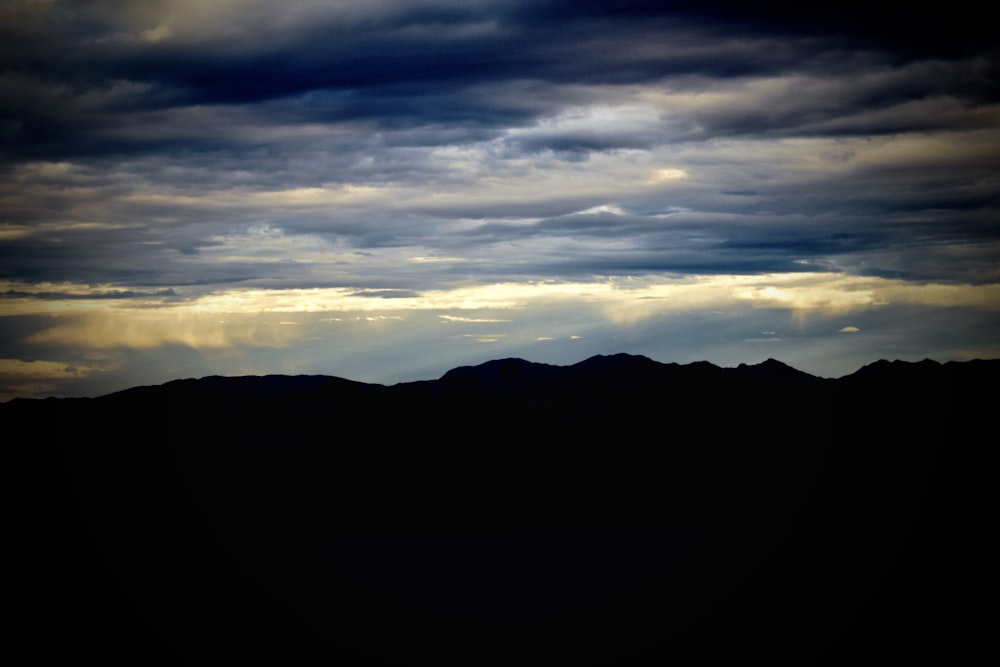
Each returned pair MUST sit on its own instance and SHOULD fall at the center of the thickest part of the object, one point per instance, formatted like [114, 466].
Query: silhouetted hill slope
[499, 376]
[616, 511]
[239, 388]
[773, 371]
[927, 374]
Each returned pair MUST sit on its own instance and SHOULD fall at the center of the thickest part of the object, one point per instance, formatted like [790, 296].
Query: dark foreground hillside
[618, 511]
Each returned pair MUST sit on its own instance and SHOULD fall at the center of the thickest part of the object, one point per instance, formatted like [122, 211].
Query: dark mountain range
[616, 511]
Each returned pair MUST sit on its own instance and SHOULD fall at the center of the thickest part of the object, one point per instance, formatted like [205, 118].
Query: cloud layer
[491, 166]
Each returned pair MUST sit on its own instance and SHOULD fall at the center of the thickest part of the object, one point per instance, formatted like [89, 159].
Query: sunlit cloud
[483, 338]
[40, 377]
[471, 320]
[667, 174]
[244, 316]
[151, 329]
[436, 260]
[40, 369]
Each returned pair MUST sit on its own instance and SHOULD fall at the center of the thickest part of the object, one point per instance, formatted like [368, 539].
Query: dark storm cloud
[113, 294]
[595, 244]
[68, 87]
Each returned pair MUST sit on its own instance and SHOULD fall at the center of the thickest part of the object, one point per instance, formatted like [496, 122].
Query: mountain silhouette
[614, 511]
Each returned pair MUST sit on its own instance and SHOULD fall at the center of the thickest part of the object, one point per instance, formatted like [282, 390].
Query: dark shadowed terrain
[618, 511]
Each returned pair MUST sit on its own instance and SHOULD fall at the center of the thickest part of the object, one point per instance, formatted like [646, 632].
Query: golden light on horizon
[242, 316]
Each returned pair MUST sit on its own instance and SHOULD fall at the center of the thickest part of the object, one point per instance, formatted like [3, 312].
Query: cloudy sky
[385, 189]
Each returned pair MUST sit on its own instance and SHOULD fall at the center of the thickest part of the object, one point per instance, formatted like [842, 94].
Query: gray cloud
[163, 151]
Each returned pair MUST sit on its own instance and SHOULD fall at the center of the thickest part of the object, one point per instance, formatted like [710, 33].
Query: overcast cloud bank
[384, 190]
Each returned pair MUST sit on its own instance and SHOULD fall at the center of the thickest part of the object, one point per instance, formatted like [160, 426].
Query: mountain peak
[771, 370]
[499, 374]
[897, 369]
[618, 361]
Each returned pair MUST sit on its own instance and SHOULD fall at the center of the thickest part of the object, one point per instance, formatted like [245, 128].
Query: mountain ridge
[615, 511]
[511, 373]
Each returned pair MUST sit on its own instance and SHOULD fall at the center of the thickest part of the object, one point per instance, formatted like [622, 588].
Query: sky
[386, 189]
